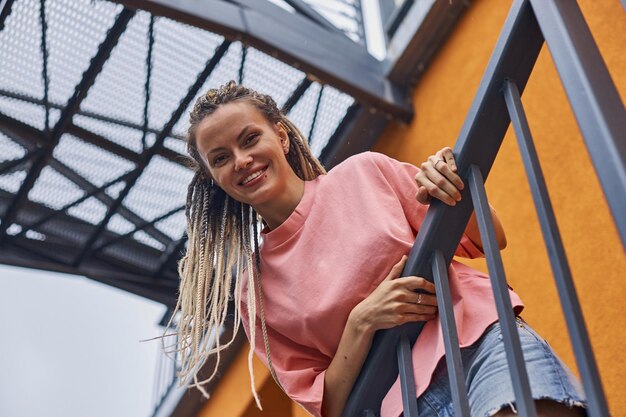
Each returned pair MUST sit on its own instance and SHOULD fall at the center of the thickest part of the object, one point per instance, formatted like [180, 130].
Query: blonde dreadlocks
[222, 239]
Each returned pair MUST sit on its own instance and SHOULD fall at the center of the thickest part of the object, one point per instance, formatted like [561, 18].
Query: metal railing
[602, 121]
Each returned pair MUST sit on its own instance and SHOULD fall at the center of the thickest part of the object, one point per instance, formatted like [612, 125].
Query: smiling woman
[329, 262]
[245, 154]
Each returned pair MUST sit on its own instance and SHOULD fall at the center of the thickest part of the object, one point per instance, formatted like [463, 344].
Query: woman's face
[245, 153]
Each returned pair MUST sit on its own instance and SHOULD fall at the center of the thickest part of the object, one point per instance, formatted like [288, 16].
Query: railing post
[592, 94]
[558, 259]
[512, 345]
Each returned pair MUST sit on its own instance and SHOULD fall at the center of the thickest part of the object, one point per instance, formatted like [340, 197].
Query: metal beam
[27, 136]
[73, 105]
[332, 58]
[419, 36]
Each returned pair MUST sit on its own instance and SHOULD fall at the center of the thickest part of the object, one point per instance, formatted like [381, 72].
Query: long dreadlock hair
[223, 238]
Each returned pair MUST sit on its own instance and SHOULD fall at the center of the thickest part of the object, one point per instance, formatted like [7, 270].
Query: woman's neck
[275, 212]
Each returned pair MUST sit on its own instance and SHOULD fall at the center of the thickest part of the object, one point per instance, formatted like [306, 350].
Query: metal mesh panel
[119, 225]
[332, 109]
[11, 181]
[20, 49]
[163, 178]
[177, 145]
[180, 53]
[95, 164]
[91, 210]
[75, 30]
[10, 149]
[270, 76]
[54, 190]
[302, 113]
[144, 238]
[225, 71]
[173, 226]
[118, 92]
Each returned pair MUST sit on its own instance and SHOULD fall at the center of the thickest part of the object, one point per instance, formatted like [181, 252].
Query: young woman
[324, 278]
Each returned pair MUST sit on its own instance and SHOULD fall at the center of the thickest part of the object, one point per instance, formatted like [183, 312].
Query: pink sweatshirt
[351, 226]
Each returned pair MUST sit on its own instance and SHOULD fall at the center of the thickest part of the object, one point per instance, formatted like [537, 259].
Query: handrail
[600, 116]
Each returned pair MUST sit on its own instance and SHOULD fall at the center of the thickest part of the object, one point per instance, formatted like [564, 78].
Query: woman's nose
[242, 161]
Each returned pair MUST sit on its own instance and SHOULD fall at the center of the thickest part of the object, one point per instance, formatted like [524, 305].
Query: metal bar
[147, 155]
[138, 228]
[596, 401]
[91, 115]
[317, 108]
[296, 95]
[456, 374]
[146, 91]
[5, 12]
[26, 136]
[407, 380]
[397, 16]
[592, 94]
[6, 166]
[521, 386]
[242, 64]
[102, 143]
[44, 53]
[73, 105]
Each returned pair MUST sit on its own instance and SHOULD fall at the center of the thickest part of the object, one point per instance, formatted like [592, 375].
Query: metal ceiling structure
[94, 98]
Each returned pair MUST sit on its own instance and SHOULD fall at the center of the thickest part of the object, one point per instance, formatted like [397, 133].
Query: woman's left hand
[438, 178]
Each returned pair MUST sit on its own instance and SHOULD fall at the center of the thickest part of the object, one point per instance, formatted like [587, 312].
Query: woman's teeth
[252, 176]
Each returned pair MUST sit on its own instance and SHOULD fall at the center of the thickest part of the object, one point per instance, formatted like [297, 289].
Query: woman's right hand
[395, 302]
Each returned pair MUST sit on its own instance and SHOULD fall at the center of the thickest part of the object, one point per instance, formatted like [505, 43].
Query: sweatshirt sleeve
[299, 369]
[401, 178]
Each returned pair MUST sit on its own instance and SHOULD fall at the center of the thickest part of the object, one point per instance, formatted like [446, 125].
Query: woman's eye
[251, 138]
[219, 159]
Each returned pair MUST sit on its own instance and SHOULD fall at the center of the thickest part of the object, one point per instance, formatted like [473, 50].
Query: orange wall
[441, 101]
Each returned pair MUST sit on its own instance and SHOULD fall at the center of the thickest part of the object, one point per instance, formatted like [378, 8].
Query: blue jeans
[488, 379]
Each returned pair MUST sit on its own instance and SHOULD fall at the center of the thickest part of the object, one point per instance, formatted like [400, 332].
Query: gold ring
[419, 298]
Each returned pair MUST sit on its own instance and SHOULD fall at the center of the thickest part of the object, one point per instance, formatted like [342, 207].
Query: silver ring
[419, 298]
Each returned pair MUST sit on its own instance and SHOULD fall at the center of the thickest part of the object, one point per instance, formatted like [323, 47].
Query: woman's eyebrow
[239, 136]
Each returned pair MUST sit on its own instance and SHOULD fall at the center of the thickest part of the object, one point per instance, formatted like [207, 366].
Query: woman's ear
[284, 137]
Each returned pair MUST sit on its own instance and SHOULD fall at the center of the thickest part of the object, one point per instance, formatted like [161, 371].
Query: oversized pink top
[351, 226]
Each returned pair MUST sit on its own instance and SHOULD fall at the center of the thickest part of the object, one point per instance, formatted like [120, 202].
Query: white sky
[70, 347]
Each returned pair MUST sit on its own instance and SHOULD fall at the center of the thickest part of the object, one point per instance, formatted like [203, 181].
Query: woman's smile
[255, 178]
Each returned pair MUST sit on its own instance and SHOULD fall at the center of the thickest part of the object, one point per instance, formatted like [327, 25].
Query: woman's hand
[395, 302]
[438, 178]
